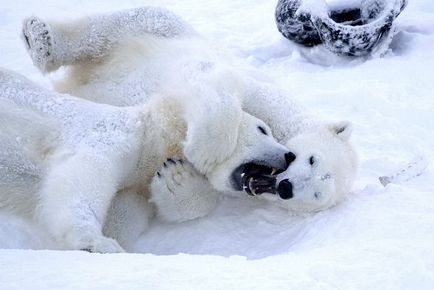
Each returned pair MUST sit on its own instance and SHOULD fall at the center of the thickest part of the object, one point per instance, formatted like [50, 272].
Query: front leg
[213, 120]
[52, 45]
[277, 109]
[180, 193]
[75, 198]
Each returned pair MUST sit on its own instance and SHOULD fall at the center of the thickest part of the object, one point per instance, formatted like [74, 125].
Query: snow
[380, 238]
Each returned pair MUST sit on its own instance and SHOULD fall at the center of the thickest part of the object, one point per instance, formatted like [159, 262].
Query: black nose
[289, 157]
[284, 189]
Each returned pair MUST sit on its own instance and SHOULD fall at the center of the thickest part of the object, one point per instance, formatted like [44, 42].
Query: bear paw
[90, 241]
[181, 193]
[103, 245]
[38, 38]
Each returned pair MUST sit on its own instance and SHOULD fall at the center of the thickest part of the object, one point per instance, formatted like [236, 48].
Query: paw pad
[39, 42]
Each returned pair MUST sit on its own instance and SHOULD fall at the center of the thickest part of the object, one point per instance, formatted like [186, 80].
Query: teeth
[242, 174]
[273, 171]
[252, 190]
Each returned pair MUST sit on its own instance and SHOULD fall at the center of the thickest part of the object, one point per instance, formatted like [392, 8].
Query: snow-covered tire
[296, 25]
[347, 30]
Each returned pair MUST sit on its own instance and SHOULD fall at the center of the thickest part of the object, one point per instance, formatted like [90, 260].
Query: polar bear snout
[275, 159]
[259, 175]
[258, 179]
[289, 158]
[284, 189]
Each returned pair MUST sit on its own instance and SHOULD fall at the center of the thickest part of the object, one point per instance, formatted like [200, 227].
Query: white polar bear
[125, 57]
[63, 159]
[321, 175]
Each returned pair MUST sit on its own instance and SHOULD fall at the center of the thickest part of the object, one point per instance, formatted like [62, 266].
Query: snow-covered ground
[380, 238]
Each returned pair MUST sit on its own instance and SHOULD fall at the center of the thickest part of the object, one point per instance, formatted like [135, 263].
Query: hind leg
[39, 43]
[52, 45]
[74, 200]
[128, 218]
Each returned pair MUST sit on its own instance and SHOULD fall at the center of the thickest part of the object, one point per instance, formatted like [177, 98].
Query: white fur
[315, 187]
[100, 150]
[127, 68]
[330, 178]
[181, 193]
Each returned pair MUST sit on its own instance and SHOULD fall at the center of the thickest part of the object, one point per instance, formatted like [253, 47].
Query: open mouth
[255, 179]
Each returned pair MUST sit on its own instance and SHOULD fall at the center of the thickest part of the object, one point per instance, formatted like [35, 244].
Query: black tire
[296, 27]
[376, 23]
[353, 31]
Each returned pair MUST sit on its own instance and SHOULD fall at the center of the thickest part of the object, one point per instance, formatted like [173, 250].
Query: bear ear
[342, 129]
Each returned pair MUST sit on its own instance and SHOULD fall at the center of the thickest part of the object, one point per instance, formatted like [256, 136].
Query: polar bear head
[322, 169]
[256, 152]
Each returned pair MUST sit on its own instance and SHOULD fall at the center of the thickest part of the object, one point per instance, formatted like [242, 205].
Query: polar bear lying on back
[63, 159]
[124, 58]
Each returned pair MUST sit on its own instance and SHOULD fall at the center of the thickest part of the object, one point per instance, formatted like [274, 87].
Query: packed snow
[379, 238]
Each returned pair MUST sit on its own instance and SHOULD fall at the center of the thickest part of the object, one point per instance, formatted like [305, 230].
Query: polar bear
[320, 174]
[124, 57]
[63, 158]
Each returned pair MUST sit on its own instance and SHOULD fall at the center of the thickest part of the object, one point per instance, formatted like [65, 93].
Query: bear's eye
[262, 130]
[311, 160]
